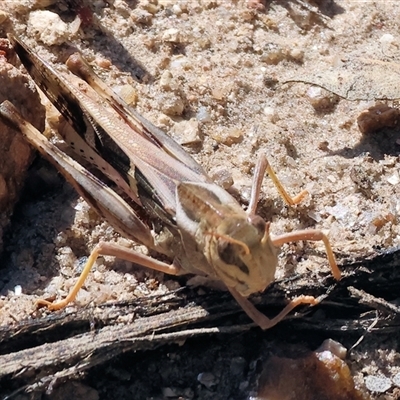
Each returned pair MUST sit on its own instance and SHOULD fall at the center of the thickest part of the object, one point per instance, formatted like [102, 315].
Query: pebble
[378, 117]
[222, 177]
[271, 114]
[139, 16]
[394, 179]
[377, 384]
[48, 27]
[169, 392]
[321, 99]
[203, 115]
[172, 35]
[316, 376]
[18, 290]
[128, 93]
[186, 132]
[167, 81]
[171, 104]
[73, 390]
[334, 347]
[386, 38]
[396, 379]
[207, 379]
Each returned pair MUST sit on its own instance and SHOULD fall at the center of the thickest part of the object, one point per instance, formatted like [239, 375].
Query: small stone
[167, 81]
[128, 93]
[203, 115]
[103, 62]
[394, 179]
[271, 114]
[140, 16]
[243, 385]
[396, 379]
[334, 347]
[74, 390]
[378, 117]
[231, 136]
[207, 379]
[98, 276]
[316, 216]
[386, 38]
[48, 27]
[186, 132]
[150, 7]
[18, 290]
[321, 99]
[297, 55]
[172, 35]
[171, 104]
[176, 9]
[377, 384]
[272, 54]
[166, 3]
[223, 178]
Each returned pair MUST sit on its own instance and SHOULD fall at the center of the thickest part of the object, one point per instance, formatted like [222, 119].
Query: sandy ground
[229, 83]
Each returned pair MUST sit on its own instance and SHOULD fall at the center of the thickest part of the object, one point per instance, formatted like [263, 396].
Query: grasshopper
[212, 234]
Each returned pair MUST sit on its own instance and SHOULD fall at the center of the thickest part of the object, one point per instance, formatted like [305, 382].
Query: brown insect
[212, 234]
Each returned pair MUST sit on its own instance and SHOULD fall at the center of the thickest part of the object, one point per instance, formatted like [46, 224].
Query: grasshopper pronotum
[212, 234]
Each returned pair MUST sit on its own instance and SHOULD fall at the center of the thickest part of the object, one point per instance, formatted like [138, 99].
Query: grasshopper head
[242, 254]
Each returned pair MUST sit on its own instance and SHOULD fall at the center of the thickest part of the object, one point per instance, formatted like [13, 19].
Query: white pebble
[203, 115]
[378, 384]
[48, 27]
[334, 347]
[18, 290]
[315, 216]
[394, 179]
[386, 38]
[271, 114]
[186, 132]
[171, 35]
[396, 379]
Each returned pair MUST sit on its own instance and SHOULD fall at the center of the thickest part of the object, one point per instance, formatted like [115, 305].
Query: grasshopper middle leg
[262, 167]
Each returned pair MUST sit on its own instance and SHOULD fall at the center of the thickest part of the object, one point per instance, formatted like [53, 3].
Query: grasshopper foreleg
[311, 235]
[262, 320]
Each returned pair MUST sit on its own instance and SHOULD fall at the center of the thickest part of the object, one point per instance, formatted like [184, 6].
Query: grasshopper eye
[228, 253]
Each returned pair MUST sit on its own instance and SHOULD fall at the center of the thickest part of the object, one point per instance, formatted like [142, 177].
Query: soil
[230, 80]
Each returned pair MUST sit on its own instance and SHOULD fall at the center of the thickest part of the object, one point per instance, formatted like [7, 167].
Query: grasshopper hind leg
[110, 249]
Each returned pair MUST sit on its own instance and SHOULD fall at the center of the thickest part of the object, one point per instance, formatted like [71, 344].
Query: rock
[15, 153]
